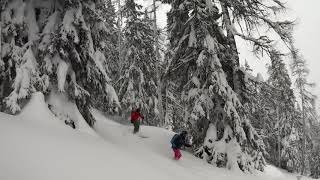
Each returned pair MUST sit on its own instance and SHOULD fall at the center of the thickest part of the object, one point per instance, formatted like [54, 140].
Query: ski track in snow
[37, 146]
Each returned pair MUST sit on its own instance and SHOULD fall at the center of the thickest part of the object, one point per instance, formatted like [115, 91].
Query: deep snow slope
[156, 151]
[37, 146]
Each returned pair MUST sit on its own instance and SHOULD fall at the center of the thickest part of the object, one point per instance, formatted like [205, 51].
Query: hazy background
[307, 36]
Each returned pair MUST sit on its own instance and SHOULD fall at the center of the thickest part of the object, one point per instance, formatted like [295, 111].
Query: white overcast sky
[306, 34]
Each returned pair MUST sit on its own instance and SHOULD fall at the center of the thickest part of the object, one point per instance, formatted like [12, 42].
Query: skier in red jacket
[136, 117]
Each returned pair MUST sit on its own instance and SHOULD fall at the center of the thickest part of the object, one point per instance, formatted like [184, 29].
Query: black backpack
[174, 138]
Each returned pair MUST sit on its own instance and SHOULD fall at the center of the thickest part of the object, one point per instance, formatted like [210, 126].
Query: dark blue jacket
[178, 141]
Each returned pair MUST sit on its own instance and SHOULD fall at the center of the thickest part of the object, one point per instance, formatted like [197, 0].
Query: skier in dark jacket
[177, 141]
[136, 117]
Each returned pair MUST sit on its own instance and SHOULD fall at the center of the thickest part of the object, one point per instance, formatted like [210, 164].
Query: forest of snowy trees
[110, 55]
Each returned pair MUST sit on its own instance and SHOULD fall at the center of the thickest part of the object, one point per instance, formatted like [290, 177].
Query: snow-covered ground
[35, 145]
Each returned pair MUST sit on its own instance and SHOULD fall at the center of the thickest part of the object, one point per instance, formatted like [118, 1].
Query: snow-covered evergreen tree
[315, 154]
[137, 82]
[105, 36]
[308, 115]
[173, 107]
[271, 108]
[110, 36]
[283, 123]
[196, 69]
[243, 19]
[20, 67]
[57, 45]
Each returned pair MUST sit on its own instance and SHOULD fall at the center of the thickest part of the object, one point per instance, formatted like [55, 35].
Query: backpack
[174, 138]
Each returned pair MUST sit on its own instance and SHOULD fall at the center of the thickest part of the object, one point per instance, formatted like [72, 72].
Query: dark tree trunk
[235, 77]
[84, 109]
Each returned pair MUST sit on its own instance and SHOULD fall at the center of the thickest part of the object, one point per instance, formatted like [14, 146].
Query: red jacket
[136, 116]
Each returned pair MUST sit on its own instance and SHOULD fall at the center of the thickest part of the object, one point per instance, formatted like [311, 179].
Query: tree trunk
[0, 34]
[84, 109]
[304, 134]
[230, 35]
[235, 56]
[159, 83]
[119, 32]
[279, 139]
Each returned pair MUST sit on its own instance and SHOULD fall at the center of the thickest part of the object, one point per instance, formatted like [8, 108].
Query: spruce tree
[105, 36]
[137, 83]
[58, 46]
[20, 72]
[271, 108]
[283, 123]
[308, 115]
[205, 92]
[243, 19]
[315, 154]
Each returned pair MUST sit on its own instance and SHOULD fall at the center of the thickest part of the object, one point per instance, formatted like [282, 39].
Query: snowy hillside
[190, 75]
[37, 146]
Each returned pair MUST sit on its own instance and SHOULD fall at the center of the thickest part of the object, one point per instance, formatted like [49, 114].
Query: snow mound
[61, 105]
[33, 152]
[37, 110]
[281, 173]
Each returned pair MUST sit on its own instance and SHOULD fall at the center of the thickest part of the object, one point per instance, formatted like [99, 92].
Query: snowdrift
[35, 145]
[61, 105]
